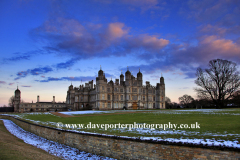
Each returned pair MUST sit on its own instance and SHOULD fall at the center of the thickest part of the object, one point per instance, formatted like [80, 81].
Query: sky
[45, 45]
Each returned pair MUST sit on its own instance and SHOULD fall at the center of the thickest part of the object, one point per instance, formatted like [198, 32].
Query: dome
[139, 74]
[17, 90]
[128, 72]
[100, 72]
[161, 80]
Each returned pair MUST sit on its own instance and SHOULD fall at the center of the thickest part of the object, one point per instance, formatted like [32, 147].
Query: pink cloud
[149, 42]
[90, 40]
[2, 82]
[10, 84]
[117, 30]
[225, 47]
[212, 29]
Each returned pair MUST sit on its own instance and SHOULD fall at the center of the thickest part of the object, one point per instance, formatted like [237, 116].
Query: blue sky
[47, 44]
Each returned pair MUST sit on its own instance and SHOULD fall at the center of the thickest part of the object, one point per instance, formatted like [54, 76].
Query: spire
[139, 69]
[17, 86]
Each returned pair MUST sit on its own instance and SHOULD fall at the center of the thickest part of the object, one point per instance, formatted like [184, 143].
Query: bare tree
[11, 101]
[168, 103]
[185, 100]
[219, 82]
[167, 100]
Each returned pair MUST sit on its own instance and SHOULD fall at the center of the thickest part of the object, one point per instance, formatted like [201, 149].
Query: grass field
[214, 124]
[13, 148]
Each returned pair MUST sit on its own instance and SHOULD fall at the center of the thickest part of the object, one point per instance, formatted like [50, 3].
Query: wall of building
[122, 148]
[107, 95]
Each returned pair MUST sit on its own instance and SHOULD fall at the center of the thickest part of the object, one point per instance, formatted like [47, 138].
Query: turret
[17, 100]
[128, 77]
[121, 79]
[161, 81]
[139, 78]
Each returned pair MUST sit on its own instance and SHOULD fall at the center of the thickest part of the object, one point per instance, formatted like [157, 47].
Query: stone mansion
[128, 94]
[36, 107]
[104, 95]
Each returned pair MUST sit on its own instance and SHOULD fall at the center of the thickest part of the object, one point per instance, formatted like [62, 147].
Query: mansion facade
[36, 107]
[124, 94]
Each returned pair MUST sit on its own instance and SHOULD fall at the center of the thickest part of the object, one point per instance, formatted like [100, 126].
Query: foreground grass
[13, 148]
[216, 123]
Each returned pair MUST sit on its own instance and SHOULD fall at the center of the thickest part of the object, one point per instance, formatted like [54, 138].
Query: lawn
[214, 124]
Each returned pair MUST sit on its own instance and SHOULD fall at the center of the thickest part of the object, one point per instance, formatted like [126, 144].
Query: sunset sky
[47, 44]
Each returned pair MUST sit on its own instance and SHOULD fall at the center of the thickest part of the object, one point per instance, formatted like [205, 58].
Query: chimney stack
[37, 98]
[53, 99]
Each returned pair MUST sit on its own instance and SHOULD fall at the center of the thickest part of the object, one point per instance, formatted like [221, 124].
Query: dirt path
[84, 115]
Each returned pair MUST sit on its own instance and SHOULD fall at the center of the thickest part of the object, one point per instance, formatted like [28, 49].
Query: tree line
[218, 86]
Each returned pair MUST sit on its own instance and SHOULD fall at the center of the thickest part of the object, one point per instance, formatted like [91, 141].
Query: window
[121, 97]
[150, 98]
[143, 98]
[76, 99]
[109, 97]
[135, 98]
[103, 88]
[109, 105]
[154, 98]
[150, 91]
[108, 89]
[144, 91]
[103, 96]
[134, 89]
[121, 90]
[129, 97]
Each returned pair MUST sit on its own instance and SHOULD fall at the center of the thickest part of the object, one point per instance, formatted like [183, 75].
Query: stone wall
[123, 148]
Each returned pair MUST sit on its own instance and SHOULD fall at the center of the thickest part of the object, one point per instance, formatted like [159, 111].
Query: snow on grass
[82, 112]
[54, 148]
[97, 112]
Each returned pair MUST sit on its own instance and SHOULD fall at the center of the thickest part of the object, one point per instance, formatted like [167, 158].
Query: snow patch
[54, 148]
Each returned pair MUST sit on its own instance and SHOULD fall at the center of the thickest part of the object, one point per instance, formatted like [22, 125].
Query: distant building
[128, 94]
[36, 107]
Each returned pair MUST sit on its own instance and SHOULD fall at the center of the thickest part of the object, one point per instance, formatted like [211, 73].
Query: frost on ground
[146, 132]
[97, 112]
[208, 142]
[82, 112]
[54, 148]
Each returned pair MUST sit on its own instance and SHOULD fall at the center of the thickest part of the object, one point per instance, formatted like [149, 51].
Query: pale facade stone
[128, 94]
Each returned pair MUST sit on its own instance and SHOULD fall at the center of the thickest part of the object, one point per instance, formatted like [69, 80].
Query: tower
[139, 78]
[121, 79]
[17, 100]
[128, 78]
[162, 93]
